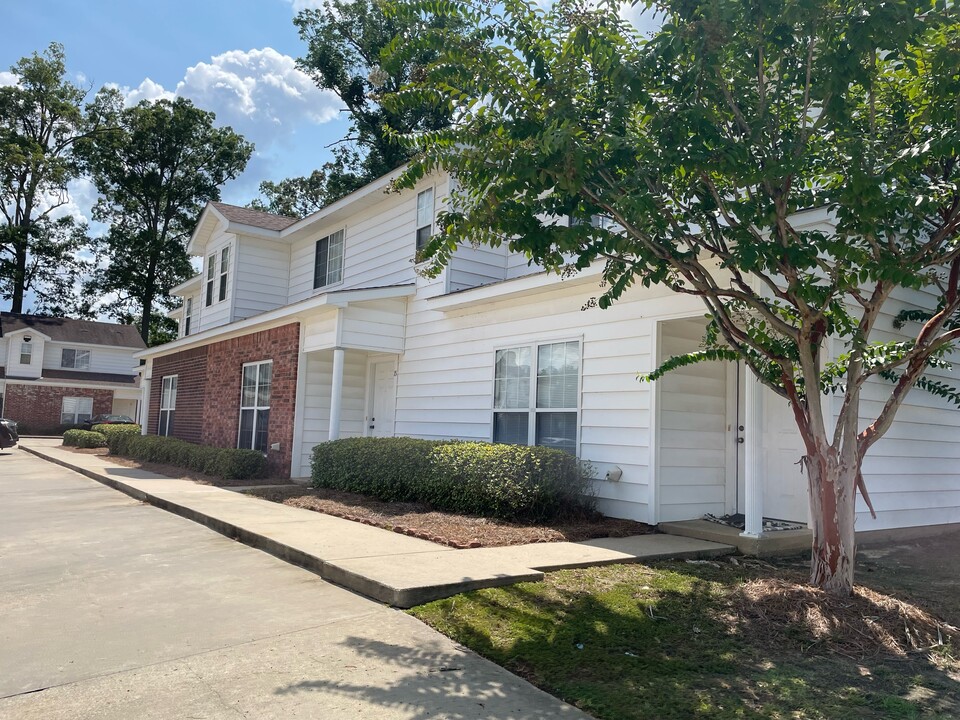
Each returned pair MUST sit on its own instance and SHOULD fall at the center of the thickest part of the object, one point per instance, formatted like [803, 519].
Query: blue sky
[233, 57]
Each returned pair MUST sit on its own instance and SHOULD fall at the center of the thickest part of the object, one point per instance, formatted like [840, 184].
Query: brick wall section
[37, 407]
[208, 388]
[190, 367]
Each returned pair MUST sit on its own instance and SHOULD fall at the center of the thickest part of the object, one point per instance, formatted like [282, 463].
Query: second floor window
[424, 217]
[224, 267]
[75, 359]
[187, 315]
[328, 263]
[211, 273]
[26, 353]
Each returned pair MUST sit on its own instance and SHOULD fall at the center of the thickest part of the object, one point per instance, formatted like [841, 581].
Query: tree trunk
[833, 511]
[21, 243]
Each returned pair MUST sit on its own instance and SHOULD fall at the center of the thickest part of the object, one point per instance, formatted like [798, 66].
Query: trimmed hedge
[226, 463]
[509, 482]
[113, 429]
[84, 439]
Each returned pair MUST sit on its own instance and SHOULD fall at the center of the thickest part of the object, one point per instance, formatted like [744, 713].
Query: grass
[672, 641]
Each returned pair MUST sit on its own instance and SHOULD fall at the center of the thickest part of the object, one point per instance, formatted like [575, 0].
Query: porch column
[753, 456]
[336, 394]
[145, 378]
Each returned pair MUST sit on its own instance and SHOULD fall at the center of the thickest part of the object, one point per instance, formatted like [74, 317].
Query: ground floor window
[168, 404]
[74, 410]
[536, 395]
[255, 405]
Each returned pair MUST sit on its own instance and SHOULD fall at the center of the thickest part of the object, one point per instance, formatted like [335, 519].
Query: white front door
[784, 485]
[382, 408]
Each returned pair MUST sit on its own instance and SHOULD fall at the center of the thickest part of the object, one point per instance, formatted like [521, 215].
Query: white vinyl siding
[74, 410]
[103, 358]
[255, 387]
[261, 277]
[168, 405]
[75, 359]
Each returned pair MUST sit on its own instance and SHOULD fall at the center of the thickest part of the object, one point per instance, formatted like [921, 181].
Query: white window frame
[81, 359]
[425, 218]
[337, 240]
[26, 350]
[77, 415]
[532, 410]
[224, 273]
[256, 407]
[168, 405]
[211, 273]
[187, 315]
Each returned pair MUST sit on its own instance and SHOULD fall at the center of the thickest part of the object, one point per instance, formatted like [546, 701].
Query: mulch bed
[458, 531]
[787, 610]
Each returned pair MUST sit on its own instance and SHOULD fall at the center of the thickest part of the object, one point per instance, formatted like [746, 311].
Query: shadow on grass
[667, 644]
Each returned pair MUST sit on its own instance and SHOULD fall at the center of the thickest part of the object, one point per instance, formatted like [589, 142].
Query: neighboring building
[57, 372]
[300, 331]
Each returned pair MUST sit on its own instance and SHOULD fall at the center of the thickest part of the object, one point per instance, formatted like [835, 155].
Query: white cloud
[8, 78]
[147, 90]
[299, 5]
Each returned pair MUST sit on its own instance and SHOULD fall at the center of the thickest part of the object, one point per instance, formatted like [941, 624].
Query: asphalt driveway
[113, 609]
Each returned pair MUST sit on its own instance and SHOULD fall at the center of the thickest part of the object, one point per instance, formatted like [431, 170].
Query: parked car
[8, 433]
[107, 420]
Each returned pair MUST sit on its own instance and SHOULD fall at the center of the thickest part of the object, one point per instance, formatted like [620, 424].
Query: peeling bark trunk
[833, 512]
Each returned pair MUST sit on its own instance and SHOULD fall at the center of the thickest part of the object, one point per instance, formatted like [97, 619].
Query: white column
[145, 379]
[753, 457]
[336, 394]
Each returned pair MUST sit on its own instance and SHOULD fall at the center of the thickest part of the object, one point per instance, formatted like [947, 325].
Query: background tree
[155, 172]
[345, 40]
[42, 117]
[704, 146]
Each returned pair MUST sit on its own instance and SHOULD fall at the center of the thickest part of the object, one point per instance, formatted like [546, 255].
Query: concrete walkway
[395, 569]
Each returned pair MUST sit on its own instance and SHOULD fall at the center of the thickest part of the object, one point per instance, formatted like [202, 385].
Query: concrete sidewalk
[395, 569]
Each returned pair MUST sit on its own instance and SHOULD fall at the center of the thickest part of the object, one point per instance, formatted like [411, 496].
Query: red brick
[208, 390]
[37, 407]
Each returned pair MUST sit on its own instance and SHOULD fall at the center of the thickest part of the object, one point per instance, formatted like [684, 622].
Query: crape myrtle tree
[704, 144]
[155, 170]
[42, 117]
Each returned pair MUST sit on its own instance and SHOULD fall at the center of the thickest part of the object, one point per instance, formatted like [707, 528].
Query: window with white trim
[424, 217]
[75, 359]
[211, 272]
[255, 405]
[26, 353]
[224, 268]
[328, 260]
[168, 404]
[187, 315]
[536, 395]
[74, 410]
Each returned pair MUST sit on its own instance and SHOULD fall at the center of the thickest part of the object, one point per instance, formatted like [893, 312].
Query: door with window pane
[255, 406]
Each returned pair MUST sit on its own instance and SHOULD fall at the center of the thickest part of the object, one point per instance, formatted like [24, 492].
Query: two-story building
[296, 332]
[57, 372]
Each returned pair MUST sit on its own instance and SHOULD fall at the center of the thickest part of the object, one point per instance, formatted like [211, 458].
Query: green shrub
[504, 481]
[110, 430]
[84, 439]
[226, 463]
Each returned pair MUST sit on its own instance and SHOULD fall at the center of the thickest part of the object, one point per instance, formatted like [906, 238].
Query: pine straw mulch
[784, 610]
[458, 531]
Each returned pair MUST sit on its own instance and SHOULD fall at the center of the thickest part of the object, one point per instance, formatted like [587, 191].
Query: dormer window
[211, 273]
[75, 359]
[424, 218]
[224, 267]
[26, 352]
[328, 261]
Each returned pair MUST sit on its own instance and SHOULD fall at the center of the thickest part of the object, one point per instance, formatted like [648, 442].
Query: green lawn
[677, 640]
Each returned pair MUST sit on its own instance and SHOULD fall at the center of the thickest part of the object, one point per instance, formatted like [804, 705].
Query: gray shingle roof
[254, 218]
[69, 330]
